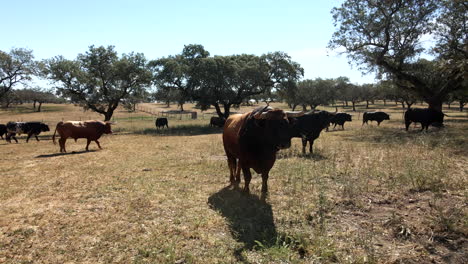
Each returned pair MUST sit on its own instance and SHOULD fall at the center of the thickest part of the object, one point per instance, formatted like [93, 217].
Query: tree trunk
[218, 110]
[462, 104]
[435, 103]
[304, 108]
[227, 110]
[384, 102]
[403, 104]
[294, 107]
[34, 105]
[181, 107]
[448, 105]
[108, 115]
[354, 106]
[346, 102]
[367, 104]
[39, 107]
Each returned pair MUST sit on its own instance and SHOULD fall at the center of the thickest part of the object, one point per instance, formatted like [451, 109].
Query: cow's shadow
[64, 154]
[249, 217]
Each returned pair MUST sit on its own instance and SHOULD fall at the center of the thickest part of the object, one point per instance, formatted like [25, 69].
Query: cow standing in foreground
[251, 140]
[426, 117]
[161, 122]
[374, 116]
[29, 128]
[91, 130]
[309, 126]
[3, 130]
[340, 119]
[217, 121]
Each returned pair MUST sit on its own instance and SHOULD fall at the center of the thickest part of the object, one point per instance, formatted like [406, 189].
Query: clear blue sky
[301, 28]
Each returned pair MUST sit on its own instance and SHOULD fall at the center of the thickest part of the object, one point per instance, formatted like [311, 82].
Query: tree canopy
[386, 37]
[222, 81]
[16, 67]
[98, 79]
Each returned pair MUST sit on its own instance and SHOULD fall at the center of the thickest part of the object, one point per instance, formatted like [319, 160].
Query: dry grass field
[367, 195]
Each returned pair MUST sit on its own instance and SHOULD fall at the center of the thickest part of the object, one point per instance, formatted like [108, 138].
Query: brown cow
[251, 140]
[92, 130]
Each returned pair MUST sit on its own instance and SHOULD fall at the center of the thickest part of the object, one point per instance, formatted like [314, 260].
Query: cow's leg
[238, 172]
[35, 135]
[87, 143]
[422, 126]
[14, 137]
[378, 123]
[234, 170]
[247, 178]
[311, 143]
[62, 144]
[265, 182]
[99, 145]
[232, 164]
[407, 124]
[304, 144]
[29, 136]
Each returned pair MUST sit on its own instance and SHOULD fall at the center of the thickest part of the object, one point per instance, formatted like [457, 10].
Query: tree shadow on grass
[249, 217]
[450, 137]
[182, 130]
[64, 154]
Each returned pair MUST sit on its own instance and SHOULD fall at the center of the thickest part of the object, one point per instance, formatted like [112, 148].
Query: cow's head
[348, 117]
[386, 116]
[438, 118]
[44, 127]
[107, 128]
[274, 127]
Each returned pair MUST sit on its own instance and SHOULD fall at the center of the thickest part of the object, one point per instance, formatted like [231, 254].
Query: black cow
[309, 126]
[426, 117]
[3, 130]
[217, 121]
[340, 119]
[374, 116]
[29, 128]
[161, 122]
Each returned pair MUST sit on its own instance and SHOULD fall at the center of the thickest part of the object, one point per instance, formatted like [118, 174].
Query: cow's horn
[294, 114]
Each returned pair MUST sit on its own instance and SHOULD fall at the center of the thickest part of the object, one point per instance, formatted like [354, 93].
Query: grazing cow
[3, 130]
[29, 128]
[374, 116]
[217, 121]
[161, 122]
[251, 140]
[426, 117]
[92, 130]
[309, 126]
[340, 119]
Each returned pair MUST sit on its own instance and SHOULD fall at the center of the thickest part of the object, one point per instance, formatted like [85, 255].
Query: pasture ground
[367, 195]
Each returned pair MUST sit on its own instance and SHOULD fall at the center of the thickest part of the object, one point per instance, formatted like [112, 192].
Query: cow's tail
[53, 137]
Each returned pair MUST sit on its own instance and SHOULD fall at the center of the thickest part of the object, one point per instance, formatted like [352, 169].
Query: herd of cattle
[250, 140]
